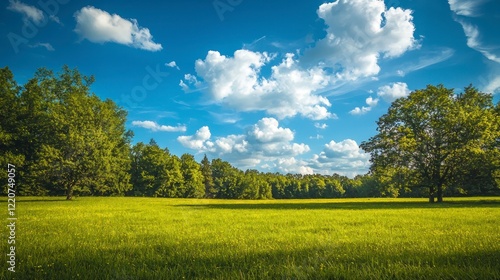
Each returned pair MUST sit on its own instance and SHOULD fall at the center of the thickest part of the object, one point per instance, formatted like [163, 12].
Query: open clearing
[153, 238]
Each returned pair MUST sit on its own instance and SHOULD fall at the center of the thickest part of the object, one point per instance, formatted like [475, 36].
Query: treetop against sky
[276, 86]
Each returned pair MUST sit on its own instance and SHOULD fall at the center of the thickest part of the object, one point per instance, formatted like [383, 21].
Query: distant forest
[64, 140]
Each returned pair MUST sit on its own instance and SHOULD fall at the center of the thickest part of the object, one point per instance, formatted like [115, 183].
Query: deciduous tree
[432, 135]
[79, 142]
[193, 177]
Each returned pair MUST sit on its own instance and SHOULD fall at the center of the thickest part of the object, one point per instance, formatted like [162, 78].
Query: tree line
[156, 172]
[65, 140]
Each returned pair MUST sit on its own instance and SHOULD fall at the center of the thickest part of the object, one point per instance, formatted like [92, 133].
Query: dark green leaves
[432, 137]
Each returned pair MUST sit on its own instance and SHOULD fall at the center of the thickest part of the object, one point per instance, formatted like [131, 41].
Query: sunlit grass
[152, 238]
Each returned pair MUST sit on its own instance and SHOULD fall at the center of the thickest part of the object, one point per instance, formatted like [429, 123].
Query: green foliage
[226, 179]
[432, 137]
[254, 186]
[148, 169]
[157, 173]
[174, 185]
[9, 131]
[64, 138]
[208, 182]
[193, 177]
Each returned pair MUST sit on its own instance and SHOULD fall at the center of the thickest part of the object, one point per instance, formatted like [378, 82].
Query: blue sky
[278, 86]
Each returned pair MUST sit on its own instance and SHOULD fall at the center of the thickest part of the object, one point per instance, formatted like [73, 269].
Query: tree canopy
[434, 139]
[65, 136]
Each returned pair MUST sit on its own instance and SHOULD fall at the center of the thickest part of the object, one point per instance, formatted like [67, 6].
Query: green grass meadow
[157, 238]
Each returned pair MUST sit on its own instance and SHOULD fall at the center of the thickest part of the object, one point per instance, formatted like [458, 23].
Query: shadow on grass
[340, 204]
[51, 199]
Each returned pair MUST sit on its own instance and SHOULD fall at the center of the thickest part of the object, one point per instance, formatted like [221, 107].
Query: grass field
[150, 238]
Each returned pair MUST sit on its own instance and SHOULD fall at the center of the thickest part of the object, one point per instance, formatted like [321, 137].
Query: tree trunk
[440, 193]
[431, 194]
[69, 193]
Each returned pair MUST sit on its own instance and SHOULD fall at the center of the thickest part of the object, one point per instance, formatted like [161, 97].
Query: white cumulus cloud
[344, 157]
[292, 165]
[267, 131]
[99, 26]
[172, 64]
[360, 111]
[320, 125]
[262, 143]
[363, 110]
[393, 91]
[236, 82]
[198, 141]
[372, 102]
[156, 127]
[189, 80]
[359, 33]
